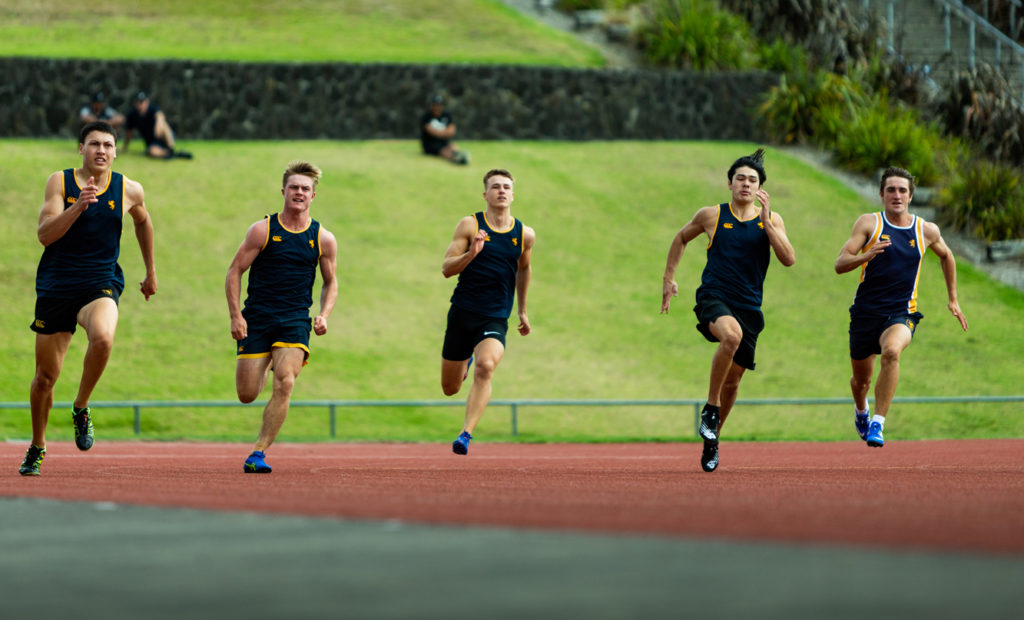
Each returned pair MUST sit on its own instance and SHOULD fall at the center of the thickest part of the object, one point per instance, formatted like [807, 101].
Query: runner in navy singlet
[888, 246]
[283, 251]
[741, 237]
[490, 252]
[79, 281]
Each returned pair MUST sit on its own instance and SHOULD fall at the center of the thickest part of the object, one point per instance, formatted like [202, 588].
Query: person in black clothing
[281, 252]
[742, 234]
[99, 110]
[151, 123]
[79, 281]
[436, 132]
[490, 253]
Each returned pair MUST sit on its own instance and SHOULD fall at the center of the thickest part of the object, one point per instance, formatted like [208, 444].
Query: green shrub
[810, 107]
[832, 33]
[781, 57]
[579, 5]
[881, 135]
[694, 34]
[985, 199]
[981, 106]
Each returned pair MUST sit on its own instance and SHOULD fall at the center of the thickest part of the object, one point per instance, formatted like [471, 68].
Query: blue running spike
[860, 420]
[256, 465]
[874, 436]
[461, 444]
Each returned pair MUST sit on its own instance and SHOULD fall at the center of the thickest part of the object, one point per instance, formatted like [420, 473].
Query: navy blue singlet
[282, 276]
[888, 282]
[738, 257]
[487, 285]
[85, 258]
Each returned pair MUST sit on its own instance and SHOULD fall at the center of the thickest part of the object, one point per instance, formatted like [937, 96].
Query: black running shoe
[709, 457]
[33, 459]
[709, 424]
[83, 429]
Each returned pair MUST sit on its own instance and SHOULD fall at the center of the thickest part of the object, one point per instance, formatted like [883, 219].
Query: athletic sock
[878, 418]
[859, 412]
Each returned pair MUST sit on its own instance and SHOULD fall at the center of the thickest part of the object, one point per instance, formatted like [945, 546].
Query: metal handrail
[514, 404]
[973, 21]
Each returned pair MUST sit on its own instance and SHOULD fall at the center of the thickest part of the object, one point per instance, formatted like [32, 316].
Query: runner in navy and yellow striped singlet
[79, 281]
[281, 252]
[490, 252]
[888, 247]
[741, 237]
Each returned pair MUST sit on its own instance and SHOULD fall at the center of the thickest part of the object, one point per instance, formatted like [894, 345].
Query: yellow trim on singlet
[919, 238]
[872, 240]
[294, 232]
[495, 230]
[266, 240]
[714, 229]
[74, 175]
[756, 214]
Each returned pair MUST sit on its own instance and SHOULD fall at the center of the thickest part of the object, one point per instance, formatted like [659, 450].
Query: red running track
[954, 495]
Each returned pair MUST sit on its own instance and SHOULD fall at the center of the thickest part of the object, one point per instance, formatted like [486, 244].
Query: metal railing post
[949, 27]
[891, 17]
[138, 419]
[970, 30]
[515, 419]
[334, 421]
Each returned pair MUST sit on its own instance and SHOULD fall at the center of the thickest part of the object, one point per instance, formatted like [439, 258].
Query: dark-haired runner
[741, 236]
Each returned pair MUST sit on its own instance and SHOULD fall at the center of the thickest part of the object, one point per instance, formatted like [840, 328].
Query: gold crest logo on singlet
[111, 203]
[515, 241]
[312, 243]
[72, 200]
[275, 238]
[883, 238]
[913, 243]
[727, 225]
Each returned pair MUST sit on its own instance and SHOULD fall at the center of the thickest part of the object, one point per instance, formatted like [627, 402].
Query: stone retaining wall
[235, 101]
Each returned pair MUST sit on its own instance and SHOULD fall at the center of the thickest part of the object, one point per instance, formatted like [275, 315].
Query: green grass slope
[426, 31]
[604, 215]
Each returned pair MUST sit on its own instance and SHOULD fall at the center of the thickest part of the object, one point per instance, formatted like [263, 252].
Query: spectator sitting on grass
[98, 110]
[149, 119]
[436, 132]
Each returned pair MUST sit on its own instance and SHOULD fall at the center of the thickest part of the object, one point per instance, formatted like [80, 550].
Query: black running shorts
[751, 322]
[466, 330]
